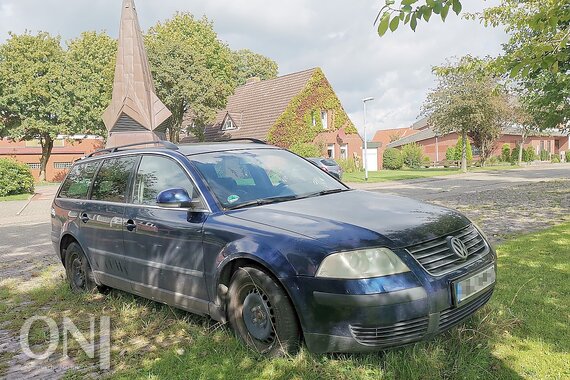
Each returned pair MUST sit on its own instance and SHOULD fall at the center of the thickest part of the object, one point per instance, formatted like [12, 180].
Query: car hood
[355, 218]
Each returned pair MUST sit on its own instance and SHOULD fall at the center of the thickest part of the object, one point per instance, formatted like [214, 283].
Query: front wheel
[78, 271]
[261, 313]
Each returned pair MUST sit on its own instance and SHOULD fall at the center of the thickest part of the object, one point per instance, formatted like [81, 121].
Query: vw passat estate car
[254, 235]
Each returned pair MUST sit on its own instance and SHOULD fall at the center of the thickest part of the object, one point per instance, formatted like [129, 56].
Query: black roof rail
[257, 141]
[166, 144]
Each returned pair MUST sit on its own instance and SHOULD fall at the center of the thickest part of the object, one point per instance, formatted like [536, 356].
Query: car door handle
[131, 225]
[84, 218]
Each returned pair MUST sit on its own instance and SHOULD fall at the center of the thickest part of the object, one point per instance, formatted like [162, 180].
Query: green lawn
[397, 175]
[18, 197]
[522, 333]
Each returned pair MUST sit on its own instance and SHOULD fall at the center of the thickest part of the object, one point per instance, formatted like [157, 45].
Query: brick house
[435, 146]
[66, 149]
[292, 109]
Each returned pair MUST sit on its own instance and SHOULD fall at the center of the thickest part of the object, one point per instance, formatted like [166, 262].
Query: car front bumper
[375, 314]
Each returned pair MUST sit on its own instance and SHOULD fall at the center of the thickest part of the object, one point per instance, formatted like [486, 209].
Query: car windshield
[243, 178]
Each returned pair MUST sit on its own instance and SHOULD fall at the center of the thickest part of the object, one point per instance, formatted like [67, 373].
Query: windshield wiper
[325, 192]
[264, 201]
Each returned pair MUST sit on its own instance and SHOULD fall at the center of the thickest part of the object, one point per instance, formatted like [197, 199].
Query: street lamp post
[365, 140]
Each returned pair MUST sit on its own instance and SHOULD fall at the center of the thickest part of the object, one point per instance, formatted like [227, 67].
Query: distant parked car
[328, 165]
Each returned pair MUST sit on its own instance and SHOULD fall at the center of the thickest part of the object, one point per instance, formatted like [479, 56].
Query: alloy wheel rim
[77, 273]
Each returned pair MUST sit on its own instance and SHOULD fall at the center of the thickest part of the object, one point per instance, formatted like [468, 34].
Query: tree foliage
[31, 89]
[249, 64]
[192, 69]
[410, 12]
[88, 72]
[469, 102]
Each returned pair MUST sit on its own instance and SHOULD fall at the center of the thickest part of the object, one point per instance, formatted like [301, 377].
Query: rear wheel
[78, 271]
[261, 314]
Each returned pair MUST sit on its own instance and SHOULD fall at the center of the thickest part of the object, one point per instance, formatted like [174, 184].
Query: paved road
[504, 203]
[443, 187]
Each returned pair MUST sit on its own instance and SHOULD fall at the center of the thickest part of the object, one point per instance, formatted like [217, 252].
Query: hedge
[15, 178]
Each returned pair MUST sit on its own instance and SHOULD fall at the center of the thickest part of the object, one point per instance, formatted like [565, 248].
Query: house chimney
[253, 80]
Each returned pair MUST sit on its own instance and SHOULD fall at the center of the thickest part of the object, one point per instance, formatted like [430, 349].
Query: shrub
[555, 159]
[15, 178]
[459, 150]
[506, 153]
[530, 154]
[515, 154]
[544, 155]
[568, 156]
[450, 154]
[427, 162]
[348, 165]
[306, 150]
[392, 159]
[412, 155]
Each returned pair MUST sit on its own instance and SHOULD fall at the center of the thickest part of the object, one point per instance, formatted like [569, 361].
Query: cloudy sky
[336, 35]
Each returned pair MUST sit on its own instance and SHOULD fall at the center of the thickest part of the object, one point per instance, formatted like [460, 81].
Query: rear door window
[112, 180]
[78, 181]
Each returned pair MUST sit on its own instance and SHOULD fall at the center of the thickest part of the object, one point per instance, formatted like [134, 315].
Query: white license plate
[472, 286]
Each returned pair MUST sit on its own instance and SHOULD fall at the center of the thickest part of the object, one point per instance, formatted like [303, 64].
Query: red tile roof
[385, 136]
[254, 107]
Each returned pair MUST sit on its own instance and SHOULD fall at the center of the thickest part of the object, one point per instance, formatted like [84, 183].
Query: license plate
[470, 287]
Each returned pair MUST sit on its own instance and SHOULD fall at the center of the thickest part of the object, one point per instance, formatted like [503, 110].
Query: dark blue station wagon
[254, 235]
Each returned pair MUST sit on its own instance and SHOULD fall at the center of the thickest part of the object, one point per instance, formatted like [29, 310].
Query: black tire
[78, 271]
[268, 324]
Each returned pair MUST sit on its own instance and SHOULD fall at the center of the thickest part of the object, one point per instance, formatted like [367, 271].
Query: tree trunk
[464, 152]
[521, 147]
[47, 145]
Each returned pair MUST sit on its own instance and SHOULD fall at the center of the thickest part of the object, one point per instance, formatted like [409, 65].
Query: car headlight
[362, 263]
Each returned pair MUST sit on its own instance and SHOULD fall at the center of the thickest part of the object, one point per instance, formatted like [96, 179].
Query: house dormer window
[228, 124]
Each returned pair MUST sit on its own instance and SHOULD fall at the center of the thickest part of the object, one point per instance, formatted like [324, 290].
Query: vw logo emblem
[457, 247]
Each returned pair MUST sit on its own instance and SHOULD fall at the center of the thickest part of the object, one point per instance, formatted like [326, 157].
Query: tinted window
[112, 179]
[156, 174]
[329, 162]
[78, 181]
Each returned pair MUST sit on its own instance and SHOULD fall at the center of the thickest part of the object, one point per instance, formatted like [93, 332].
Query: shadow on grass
[521, 333]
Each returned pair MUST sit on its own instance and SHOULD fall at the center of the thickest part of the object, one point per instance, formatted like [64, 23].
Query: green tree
[468, 102]
[31, 73]
[88, 84]
[249, 64]
[192, 69]
[459, 147]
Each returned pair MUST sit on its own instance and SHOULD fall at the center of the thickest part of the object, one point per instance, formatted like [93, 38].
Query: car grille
[396, 334]
[451, 317]
[437, 258]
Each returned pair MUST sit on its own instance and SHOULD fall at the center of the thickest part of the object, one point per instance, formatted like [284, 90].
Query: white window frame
[344, 151]
[62, 165]
[325, 119]
[330, 150]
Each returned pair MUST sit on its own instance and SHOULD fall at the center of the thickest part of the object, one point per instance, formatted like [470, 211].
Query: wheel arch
[226, 271]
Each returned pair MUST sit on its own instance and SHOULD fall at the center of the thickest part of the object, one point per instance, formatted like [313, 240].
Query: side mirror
[174, 198]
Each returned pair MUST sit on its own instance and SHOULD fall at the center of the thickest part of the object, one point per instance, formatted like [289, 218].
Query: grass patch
[522, 333]
[17, 197]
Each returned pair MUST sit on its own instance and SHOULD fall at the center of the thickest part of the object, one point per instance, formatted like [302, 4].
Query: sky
[336, 35]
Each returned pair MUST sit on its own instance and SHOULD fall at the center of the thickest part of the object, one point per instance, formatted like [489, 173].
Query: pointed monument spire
[135, 110]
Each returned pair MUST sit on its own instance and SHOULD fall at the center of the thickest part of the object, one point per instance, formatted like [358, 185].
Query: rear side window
[78, 181]
[156, 174]
[112, 179]
[329, 162]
